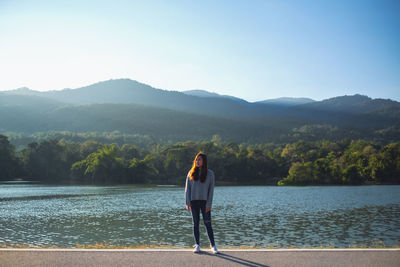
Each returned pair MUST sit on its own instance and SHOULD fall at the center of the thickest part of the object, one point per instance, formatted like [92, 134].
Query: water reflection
[242, 216]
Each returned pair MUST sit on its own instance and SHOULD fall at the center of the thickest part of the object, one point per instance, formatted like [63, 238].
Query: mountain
[287, 101]
[37, 115]
[28, 101]
[355, 111]
[22, 91]
[204, 93]
[31, 114]
[43, 117]
[356, 104]
[129, 91]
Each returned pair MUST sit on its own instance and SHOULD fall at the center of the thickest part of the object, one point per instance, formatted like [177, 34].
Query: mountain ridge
[205, 93]
[124, 90]
[288, 101]
[347, 111]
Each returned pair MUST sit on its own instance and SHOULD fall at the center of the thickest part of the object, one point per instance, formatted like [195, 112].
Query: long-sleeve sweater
[196, 190]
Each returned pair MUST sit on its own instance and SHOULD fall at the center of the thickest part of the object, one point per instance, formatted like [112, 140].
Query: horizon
[253, 50]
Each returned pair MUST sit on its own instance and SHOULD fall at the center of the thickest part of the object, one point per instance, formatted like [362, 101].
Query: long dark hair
[194, 171]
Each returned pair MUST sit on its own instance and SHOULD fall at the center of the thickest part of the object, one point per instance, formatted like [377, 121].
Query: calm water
[242, 216]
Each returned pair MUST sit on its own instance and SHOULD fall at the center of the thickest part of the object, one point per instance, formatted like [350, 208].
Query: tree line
[345, 162]
[270, 131]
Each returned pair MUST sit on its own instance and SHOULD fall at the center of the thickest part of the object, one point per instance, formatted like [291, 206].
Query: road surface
[183, 257]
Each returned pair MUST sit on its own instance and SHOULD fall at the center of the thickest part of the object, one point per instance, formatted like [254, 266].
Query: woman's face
[199, 162]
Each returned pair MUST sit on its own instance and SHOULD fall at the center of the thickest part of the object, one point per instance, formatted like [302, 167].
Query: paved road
[182, 257]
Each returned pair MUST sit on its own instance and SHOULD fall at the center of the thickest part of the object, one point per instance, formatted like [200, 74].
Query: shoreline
[190, 249]
[180, 248]
[217, 183]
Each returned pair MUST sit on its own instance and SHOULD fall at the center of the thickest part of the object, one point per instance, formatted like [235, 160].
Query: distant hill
[129, 91]
[29, 101]
[204, 93]
[132, 107]
[206, 103]
[287, 101]
[166, 125]
[23, 91]
[357, 104]
[355, 110]
[31, 114]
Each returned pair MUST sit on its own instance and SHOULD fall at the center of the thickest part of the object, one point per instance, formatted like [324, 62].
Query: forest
[341, 162]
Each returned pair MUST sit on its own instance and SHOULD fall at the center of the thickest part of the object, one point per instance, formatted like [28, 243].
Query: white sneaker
[214, 250]
[196, 249]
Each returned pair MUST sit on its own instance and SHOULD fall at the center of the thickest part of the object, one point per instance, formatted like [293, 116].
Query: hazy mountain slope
[354, 111]
[349, 111]
[287, 101]
[23, 91]
[357, 104]
[30, 114]
[19, 112]
[28, 101]
[129, 91]
[204, 93]
[159, 123]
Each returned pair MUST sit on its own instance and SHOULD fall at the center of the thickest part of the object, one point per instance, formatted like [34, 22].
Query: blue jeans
[197, 206]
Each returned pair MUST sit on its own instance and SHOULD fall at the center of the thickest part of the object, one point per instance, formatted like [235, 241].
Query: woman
[199, 191]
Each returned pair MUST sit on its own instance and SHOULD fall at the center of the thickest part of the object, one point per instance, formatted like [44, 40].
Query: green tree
[299, 174]
[9, 164]
[102, 167]
[46, 161]
[351, 175]
[385, 166]
[142, 171]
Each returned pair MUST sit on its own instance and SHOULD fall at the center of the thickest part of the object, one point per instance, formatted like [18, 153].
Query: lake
[254, 216]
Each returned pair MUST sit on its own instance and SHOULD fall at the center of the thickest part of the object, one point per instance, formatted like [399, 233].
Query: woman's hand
[188, 207]
[208, 209]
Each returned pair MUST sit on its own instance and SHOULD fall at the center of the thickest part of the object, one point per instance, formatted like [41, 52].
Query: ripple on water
[249, 216]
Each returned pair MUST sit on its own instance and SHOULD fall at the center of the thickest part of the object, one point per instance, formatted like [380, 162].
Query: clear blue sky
[250, 49]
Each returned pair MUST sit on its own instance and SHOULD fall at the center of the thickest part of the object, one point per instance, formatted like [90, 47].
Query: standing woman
[199, 191]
